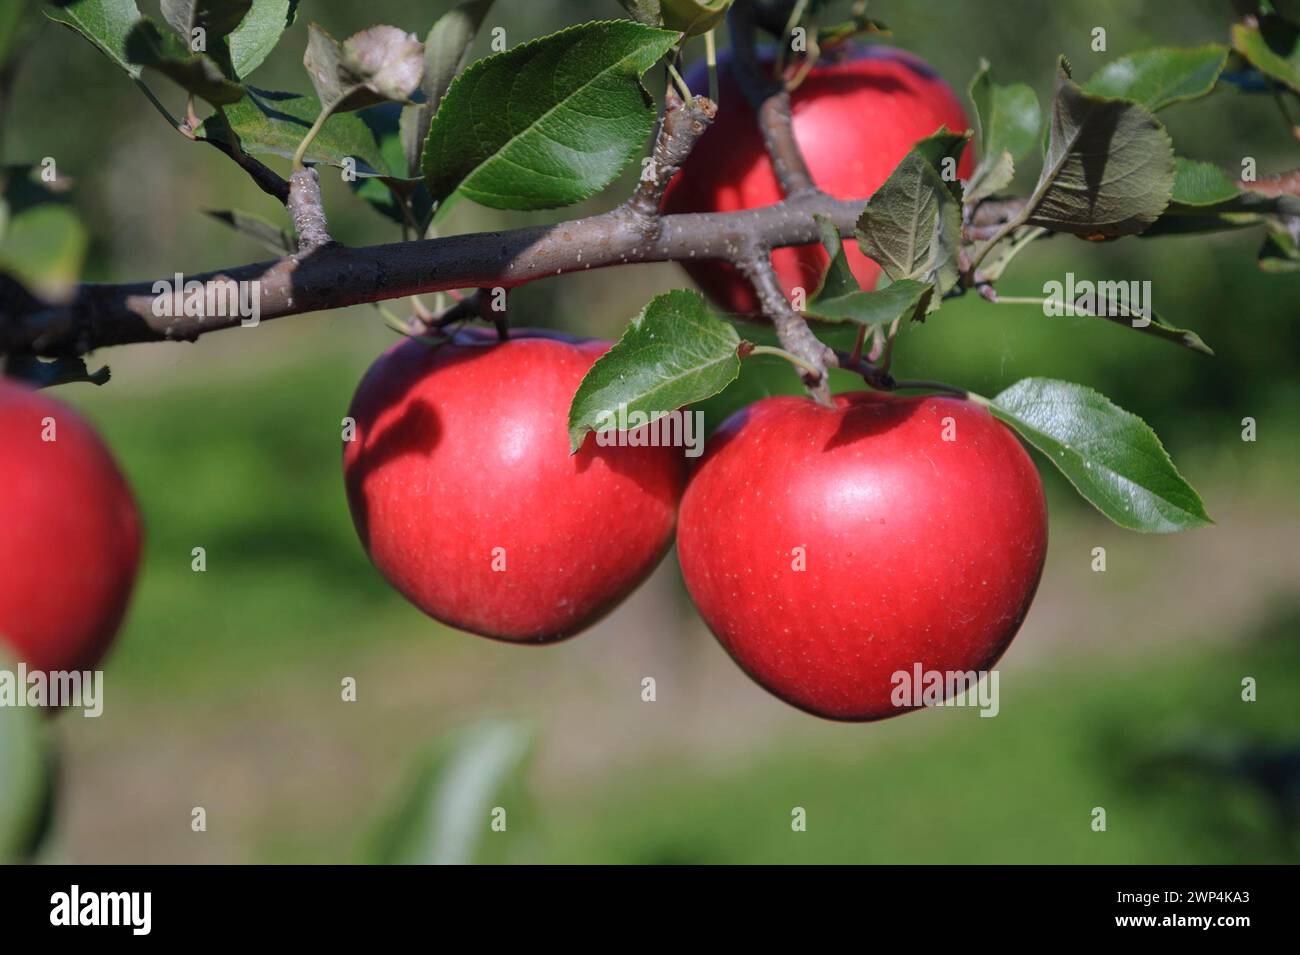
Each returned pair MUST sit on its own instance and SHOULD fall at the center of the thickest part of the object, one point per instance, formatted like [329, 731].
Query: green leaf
[1109, 167]
[674, 353]
[1273, 46]
[1203, 202]
[840, 298]
[216, 18]
[904, 299]
[373, 66]
[1097, 303]
[258, 33]
[1111, 456]
[448, 808]
[262, 231]
[838, 280]
[269, 122]
[649, 12]
[548, 123]
[693, 17]
[1009, 122]
[446, 54]
[105, 23]
[1158, 77]
[942, 149]
[1281, 250]
[23, 187]
[835, 34]
[44, 248]
[25, 786]
[912, 225]
[1001, 258]
[1201, 184]
[382, 191]
[197, 73]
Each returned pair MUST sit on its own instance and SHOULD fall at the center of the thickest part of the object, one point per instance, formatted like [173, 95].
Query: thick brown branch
[335, 276]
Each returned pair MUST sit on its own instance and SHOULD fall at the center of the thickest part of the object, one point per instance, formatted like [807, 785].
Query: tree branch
[265, 179]
[680, 128]
[335, 276]
[307, 212]
[791, 329]
[771, 103]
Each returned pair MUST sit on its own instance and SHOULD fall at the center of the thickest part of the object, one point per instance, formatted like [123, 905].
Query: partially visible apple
[829, 549]
[856, 116]
[69, 535]
[465, 495]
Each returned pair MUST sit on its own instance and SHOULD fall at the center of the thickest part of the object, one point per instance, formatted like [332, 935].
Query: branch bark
[335, 276]
[791, 329]
[265, 179]
[307, 212]
[771, 103]
[680, 128]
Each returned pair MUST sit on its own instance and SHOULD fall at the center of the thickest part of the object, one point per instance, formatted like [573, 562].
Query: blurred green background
[1122, 690]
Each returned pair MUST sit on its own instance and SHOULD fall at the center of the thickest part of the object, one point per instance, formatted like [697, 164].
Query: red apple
[919, 525]
[855, 116]
[465, 495]
[69, 535]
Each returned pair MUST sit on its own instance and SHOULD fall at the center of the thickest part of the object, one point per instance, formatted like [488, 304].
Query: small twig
[855, 356]
[307, 212]
[875, 376]
[166, 113]
[680, 128]
[265, 179]
[1279, 184]
[781, 353]
[680, 83]
[877, 343]
[300, 153]
[887, 352]
[995, 212]
[476, 305]
[771, 102]
[791, 329]
[711, 59]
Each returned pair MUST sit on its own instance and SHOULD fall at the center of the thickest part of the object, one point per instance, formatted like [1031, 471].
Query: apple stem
[782, 353]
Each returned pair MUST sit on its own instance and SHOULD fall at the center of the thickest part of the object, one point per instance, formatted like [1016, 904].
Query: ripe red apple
[69, 535]
[913, 548]
[856, 116]
[465, 495]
